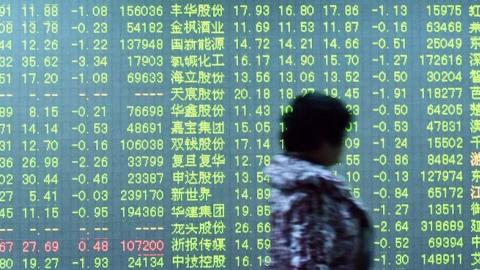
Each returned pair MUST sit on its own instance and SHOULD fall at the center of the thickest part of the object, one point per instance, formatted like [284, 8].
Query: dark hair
[314, 119]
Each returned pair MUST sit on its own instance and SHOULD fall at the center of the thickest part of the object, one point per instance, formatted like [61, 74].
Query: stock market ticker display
[133, 133]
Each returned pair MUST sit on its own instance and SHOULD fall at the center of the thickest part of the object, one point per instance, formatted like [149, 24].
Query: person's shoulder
[289, 171]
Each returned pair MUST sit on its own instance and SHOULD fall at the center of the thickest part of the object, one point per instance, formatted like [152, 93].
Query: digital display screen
[133, 134]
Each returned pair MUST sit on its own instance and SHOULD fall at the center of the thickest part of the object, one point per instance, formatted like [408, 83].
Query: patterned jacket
[316, 223]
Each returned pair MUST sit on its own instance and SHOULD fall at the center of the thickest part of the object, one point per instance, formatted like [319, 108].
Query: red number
[6, 246]
[82, 246]
[142, 245]
[29, 246]
[101, 246]
[51, 246]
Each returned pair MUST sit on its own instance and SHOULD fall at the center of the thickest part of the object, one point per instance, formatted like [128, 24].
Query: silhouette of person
[316, 222]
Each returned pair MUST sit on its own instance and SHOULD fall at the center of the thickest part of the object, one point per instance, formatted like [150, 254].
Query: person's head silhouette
[315, 128]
